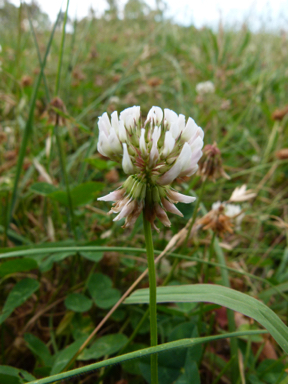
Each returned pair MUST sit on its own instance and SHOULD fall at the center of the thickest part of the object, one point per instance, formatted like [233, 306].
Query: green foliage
[68, 263]
[101, 291]
[18, 295]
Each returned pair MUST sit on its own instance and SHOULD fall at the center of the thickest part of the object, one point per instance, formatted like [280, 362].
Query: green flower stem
[152, 304]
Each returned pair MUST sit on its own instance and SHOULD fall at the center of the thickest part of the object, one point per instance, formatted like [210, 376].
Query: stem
[152, 291]
[65, 179]
[198, 201]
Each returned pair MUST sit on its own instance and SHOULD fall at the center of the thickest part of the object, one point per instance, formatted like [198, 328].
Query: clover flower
[205, 87]
[153, 153]
[210, 165]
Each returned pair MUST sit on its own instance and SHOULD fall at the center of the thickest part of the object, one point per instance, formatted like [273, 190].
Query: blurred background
[267, 14]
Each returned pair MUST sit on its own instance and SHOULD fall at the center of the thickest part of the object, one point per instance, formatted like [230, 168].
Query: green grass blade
[184, 343]
[29, 126]
[61, 50]
[227, 297]
[39, 56]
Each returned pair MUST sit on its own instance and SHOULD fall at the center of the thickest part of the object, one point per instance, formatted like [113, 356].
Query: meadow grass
[70, 263]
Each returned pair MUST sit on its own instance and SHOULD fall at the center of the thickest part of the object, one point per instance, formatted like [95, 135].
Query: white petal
[171, 207]
[112, 196]
[162, 215]
[126, 210]
[170, 116]
[181, 123]
[114, 142]
[178, 197]
[126, 162]
[142, 143]
[182, 163]
[155, 115]
[154, 153]
[122, 132]
[129, 115]
[197, 144]
[169, 144]
[174, 129]
[114, 121]
[103, 145]
[190, 130]
[104, 124]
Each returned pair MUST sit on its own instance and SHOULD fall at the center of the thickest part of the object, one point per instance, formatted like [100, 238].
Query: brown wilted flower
[154, 82]
[280, 113]
[93, 53]
[210, 165]
[78, 74]
[26, 81]
[218, 221]
[53, 116]
[3, 137]
[282, 154]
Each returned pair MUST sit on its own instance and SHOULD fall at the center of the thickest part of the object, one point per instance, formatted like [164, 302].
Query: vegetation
[65, 264]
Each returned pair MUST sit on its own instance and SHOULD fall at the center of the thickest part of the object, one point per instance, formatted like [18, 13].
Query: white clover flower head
[205, 87]
[153, 152]
[233, 211]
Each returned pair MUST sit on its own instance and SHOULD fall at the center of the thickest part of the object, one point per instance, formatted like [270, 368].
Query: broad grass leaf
[101, 291]
[17, 265]
[18, 295]
[43, 189]
[223, 296]
[39, 349]
[104, 346]
[78, 302]
[64, 356]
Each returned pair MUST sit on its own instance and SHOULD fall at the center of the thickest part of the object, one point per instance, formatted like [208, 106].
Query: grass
[82, 261]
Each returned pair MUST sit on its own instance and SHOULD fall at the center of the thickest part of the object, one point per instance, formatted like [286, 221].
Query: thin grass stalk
[39, 57]
[28, 128]
[61, 51]
[184, 343]
[198, 201]
[152, 294]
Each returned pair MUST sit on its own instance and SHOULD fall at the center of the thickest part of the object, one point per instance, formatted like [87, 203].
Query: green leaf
[19, 294]
[78, 303]
[99, 287]
[64, 356]
[81, 194]
[11, 375]
[104, 346]
[18, 265]
[93, 256]
[223, 296]
[39, 349]
[46, 264]
[43, 189]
